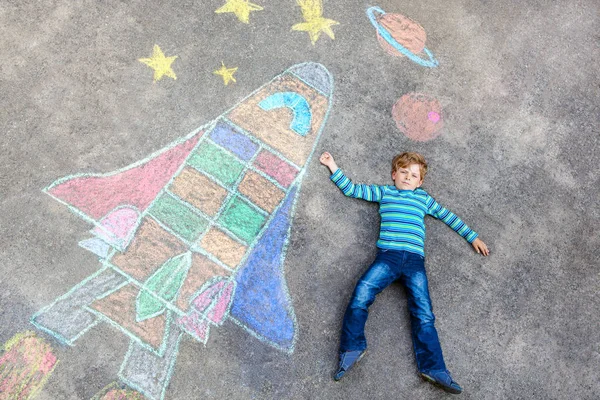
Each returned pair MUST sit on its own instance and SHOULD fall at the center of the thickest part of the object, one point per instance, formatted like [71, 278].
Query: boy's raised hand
[327, 160]
[480, 247]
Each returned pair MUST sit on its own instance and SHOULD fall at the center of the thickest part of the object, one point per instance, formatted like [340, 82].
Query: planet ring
[432, 62]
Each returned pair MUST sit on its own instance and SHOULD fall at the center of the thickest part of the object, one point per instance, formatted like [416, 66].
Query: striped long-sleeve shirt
[402, 214]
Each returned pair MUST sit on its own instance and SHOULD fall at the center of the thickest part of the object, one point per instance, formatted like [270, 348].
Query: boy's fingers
[483, 250]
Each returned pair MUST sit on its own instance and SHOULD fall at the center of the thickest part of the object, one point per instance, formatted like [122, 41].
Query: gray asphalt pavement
[517, 159]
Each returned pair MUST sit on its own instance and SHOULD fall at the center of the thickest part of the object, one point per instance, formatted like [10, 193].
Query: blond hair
[408, 157]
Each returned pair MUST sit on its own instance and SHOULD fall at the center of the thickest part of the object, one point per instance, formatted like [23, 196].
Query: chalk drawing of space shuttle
[196, 233]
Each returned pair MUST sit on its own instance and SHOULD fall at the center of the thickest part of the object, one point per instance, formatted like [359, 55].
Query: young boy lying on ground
[400, 256]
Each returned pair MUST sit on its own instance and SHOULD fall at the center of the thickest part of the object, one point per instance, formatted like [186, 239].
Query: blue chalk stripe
[302, 114]
[239, 144]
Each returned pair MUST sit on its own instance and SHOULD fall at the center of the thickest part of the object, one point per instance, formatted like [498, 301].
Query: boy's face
[408, 178]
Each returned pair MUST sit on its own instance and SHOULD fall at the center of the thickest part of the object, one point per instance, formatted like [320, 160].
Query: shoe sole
[355, 362]
[448, 389]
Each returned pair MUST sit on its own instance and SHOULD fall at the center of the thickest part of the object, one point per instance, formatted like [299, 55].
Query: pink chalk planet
[418, 116]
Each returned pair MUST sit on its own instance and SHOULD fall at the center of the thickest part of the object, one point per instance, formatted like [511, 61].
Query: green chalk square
[173, 213]
[217, 162]
[242, 219]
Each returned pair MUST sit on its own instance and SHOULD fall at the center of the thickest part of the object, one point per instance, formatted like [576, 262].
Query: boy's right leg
[353, 342]
[428, 351]
[374, 280]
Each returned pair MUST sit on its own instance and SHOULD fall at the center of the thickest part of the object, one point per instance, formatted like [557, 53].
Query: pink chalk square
[276, 168]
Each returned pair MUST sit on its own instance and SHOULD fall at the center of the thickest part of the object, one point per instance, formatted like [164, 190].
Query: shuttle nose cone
[288, 113]
[316, 75]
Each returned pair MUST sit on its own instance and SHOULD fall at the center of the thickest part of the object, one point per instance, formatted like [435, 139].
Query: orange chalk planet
[404, 30]
[401, 36]
[418, 116]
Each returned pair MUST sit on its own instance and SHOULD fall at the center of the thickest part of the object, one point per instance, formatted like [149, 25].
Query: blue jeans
[409, 269]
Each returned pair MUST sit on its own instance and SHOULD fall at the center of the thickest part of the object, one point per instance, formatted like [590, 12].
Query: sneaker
[443, 380]
[347, 360]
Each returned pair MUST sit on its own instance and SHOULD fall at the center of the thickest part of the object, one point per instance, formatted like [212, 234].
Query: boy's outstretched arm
[454, 222]
[372, 193]
[327, 160]
[480, 247]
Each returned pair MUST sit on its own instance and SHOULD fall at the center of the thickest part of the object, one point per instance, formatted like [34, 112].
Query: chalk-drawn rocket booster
[196, 233]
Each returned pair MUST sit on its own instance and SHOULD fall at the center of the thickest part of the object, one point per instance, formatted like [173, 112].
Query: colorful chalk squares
[260, 191]
[242, 219]
[229, 138]
[151, 247]
[276, 168]
[198, 190]
[180, 218]
[216, 162]
[224, 248]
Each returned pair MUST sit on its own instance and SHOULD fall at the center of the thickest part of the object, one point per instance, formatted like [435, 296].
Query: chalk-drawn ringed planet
[375, 14]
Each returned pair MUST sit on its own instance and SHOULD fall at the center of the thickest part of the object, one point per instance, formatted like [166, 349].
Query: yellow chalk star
[241, 9]
[160, 64]
[312, 12]
[226, 73]
[315, 27]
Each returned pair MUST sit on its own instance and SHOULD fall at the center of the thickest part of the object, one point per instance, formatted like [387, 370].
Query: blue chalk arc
[299, 106]
[432, 62]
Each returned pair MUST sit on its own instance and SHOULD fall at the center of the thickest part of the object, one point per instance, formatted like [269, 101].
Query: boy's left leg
[428, 351]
